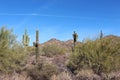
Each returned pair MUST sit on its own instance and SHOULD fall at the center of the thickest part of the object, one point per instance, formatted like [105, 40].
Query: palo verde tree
[11, 52]
[7, 38]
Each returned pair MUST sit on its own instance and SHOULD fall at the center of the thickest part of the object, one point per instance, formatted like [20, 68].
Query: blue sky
[59, 18]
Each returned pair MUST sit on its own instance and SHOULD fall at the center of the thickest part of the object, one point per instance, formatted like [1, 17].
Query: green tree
[11, 52]
[7, 38]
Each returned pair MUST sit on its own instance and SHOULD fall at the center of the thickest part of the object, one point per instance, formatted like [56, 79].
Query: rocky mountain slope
[64, 44]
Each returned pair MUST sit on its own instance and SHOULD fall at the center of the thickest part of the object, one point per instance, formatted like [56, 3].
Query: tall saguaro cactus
[26, 39]
[36, 44]
[101, 34]
[75, 37]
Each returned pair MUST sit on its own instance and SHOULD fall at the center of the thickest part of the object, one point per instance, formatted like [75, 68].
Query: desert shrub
[100, 55]
[43, 71]
[11, 52]
[87, 74]
[30, 50]
[62, 76]
[53, 49]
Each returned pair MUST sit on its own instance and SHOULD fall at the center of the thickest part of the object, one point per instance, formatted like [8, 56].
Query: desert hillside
[56, 60]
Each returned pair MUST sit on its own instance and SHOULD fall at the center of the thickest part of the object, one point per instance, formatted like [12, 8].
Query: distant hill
[65, 44]
[114, 39]
[69, 43]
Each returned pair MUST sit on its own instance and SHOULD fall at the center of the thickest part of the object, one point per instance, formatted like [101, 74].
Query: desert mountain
[65, 44]
[69, 43]
[114, 39]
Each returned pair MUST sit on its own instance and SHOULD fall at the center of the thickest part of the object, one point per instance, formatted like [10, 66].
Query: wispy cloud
[44, 15]
[59, 16]
[18, 14]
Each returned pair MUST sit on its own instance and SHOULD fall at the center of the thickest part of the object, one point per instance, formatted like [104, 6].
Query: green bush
[11, 52]
[100, 55]
[53, 49]
[42, 71]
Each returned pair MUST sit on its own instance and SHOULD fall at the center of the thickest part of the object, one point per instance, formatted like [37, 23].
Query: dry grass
[62, 76]
[87, 74]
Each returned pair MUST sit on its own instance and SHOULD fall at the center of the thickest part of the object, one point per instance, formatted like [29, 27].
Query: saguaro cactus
[26, 39]
[101, 41]
[75, 37]
[101, 34]
[36, 44]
